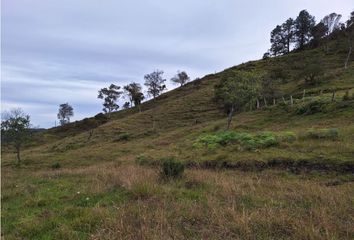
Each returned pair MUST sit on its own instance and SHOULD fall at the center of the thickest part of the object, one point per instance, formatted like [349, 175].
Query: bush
[56, 166]
[346, 96]
[261, 140]
[172, 168]
[326, 133]
[312, 107]
[123, 137]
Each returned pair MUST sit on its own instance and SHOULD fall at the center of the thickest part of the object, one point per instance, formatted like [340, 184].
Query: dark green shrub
[172, 168]
[56, 166]
[326, 133]
[102, 118]
[312, 107]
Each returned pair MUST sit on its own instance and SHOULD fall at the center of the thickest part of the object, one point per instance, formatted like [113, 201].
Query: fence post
[303, 96]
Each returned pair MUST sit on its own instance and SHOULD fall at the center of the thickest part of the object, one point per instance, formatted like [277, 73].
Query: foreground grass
[125, 201]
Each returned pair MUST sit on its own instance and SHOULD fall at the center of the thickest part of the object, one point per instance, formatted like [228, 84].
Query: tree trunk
[349, 53]
[283, 99]
[229, 117]
[257, 103]
[265, 101]
[139, 108]
[273, 101]
[291, 100]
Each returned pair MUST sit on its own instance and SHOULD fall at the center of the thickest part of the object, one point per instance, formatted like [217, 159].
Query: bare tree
[349, 31]
[155, 83]
[65, 112]
[110, 95]
[15, 129]
[331, 23]
[181, 78]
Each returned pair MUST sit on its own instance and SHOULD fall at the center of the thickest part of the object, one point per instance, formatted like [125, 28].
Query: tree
[318, 32]
[277, 41]
[235, 90]
[349, 32]
[15, 129]
[288, 29]
[64, 114]
[181, 78]
[134, 92]
[303, 26]
[110, 95]
[155, 83]
[312, 72]
[331, 23]
[269, 89]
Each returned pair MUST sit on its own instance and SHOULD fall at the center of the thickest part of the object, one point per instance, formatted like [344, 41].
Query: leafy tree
[110, 95]
[288, 29]
[134, 92]
[15, 129]
[235, 90]
[312, 72]
[181, 78]
[65, 112]
[318, 32]
[155, 83]
[269, 88]
[277, 41]
[303, 26]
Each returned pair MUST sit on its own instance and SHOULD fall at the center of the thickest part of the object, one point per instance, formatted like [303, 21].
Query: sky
[54, 52]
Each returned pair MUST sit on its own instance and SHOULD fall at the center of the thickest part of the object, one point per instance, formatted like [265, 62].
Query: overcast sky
[56, 51]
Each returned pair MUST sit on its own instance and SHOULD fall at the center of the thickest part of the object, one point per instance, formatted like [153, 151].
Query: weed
[172, 168]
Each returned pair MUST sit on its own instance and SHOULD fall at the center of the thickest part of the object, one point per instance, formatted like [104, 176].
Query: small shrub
[172, 168]
[56, 166]
[331, 133]
[123, 137]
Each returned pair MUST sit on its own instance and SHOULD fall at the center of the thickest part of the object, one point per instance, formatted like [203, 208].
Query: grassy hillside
[282, 172]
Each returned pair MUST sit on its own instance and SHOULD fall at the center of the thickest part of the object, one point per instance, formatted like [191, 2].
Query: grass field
[281, 172]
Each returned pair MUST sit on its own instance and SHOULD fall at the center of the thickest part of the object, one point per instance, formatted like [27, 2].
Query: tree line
[296, 34]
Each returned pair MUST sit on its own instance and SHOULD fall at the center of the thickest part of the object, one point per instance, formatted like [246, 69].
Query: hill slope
[99, 180]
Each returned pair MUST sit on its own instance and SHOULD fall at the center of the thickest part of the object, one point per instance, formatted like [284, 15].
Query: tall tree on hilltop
[303, 26]
[318, 32]
[349, 32]
[181, 78]
[110, 95]
[65, 112]
[235, 90]
[155, 83]
[133, 91]
[277, 41]
[331, 23]
[15, 129]
[288, 29]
